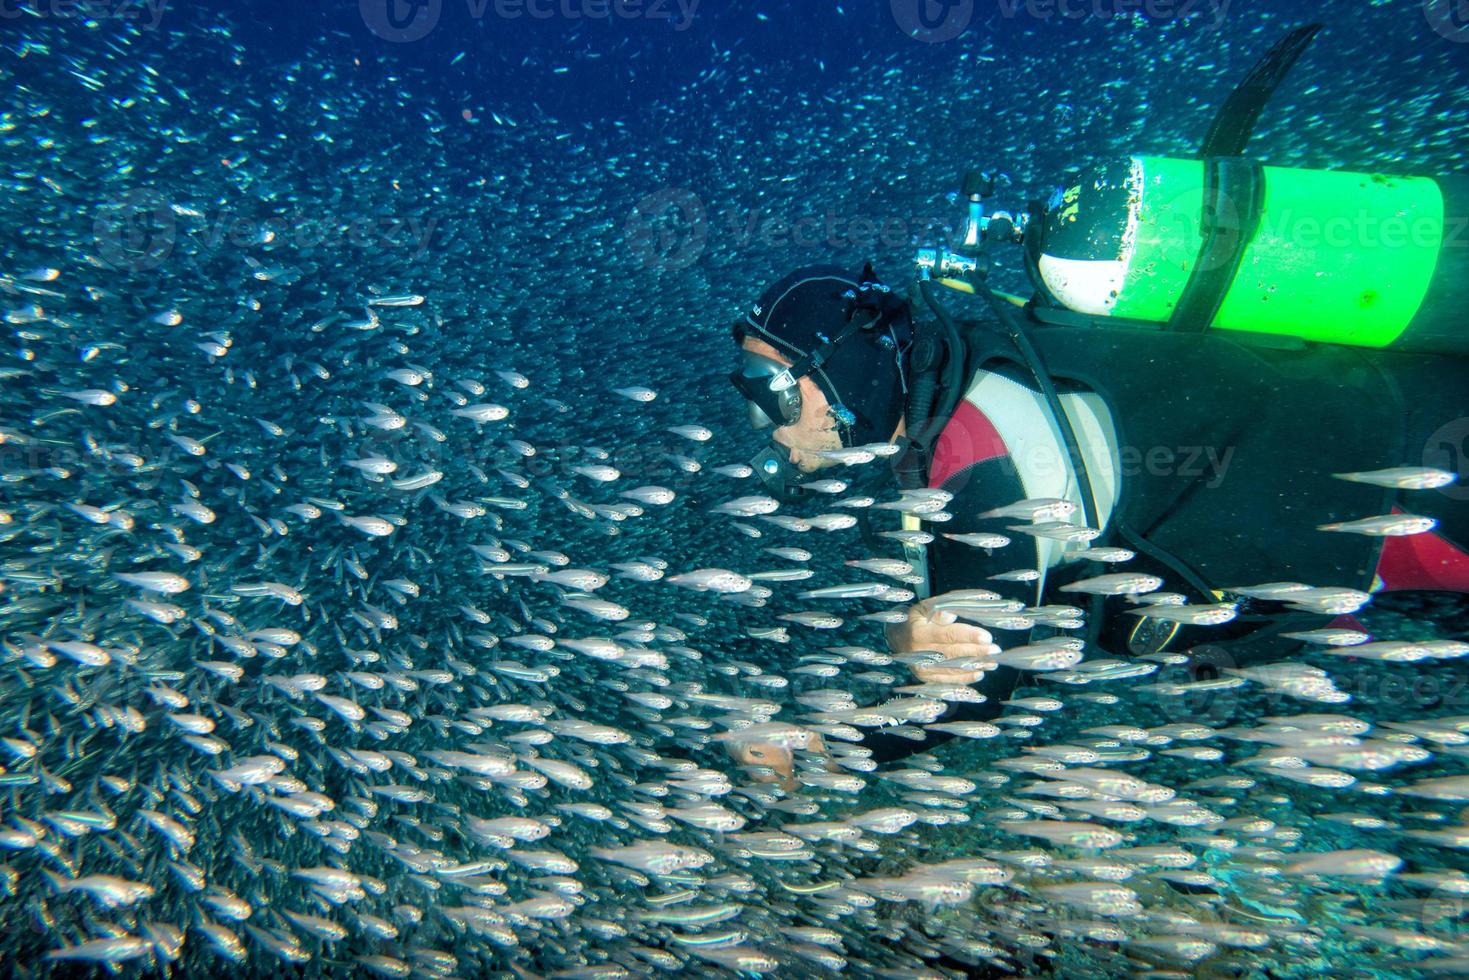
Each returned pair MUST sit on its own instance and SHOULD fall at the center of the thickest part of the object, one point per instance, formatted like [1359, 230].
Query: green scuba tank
[1348, 258]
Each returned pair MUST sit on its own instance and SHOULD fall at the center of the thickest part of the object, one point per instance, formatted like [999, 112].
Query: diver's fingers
[924, 612]
[954, 651]
[953, 633]
[939, 674]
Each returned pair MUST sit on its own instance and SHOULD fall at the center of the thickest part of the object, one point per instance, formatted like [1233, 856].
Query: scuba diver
[1197, 398]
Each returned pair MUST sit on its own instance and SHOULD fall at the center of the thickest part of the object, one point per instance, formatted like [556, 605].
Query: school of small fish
[394, 611]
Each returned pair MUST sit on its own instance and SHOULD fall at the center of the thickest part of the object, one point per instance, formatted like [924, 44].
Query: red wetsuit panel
[969, 438]
[1423, 562]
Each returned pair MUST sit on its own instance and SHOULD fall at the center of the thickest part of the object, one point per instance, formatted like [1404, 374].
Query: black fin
[1235, 121]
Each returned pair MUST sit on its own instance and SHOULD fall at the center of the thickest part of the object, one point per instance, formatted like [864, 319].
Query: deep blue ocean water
[242, 239]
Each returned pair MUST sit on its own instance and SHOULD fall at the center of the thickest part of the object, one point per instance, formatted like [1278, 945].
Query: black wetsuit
[1287, 420]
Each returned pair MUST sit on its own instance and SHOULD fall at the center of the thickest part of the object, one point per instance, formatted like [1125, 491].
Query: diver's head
[803, 422]
[823, 362]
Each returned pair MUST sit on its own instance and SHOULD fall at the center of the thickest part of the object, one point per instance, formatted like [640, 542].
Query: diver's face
[814, 430]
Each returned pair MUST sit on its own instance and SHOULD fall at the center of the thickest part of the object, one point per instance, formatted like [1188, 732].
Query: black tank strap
[1234, 186]
[1234, 198]
[1235, 122]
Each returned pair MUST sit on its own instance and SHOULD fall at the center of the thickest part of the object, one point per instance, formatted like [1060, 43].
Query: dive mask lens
[758, 419]
[771, 392]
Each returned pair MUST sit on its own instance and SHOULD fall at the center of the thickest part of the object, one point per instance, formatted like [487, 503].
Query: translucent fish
[1057, 531]
[748, 506]
[653, 495]
[487, 412]
[856, 590]
[119, 949]
[980, 540]
[1105, 555]
[711, 580]
[1389, 525]
[1353, 862]
[166, 583]
[1403, 478]
[1120, 583]
[1047, 655]
[1212, 614]
[848, 457]
[1038, 509]
[636, 394]
[1330, 637]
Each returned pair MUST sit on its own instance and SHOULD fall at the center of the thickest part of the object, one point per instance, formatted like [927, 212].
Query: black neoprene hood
[866, 374]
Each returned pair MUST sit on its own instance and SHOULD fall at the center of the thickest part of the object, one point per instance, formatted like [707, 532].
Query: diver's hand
[772, 756]
[927, 628]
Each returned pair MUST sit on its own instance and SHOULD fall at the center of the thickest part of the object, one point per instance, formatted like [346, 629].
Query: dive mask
[771, 392]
